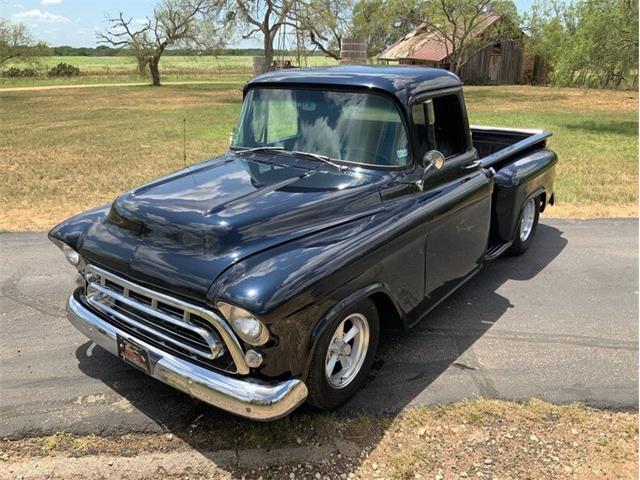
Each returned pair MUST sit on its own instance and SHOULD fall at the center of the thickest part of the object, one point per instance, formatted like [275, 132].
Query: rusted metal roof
[420, 44]
[436, 48]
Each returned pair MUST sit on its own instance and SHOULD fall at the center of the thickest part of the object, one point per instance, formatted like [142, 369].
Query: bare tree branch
[265, 18]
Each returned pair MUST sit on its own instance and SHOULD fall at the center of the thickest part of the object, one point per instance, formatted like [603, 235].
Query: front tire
[527, 226]
[343, 355]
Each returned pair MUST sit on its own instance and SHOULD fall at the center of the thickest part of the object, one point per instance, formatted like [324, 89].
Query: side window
[439, 124]
[449, 126]
[422, 117]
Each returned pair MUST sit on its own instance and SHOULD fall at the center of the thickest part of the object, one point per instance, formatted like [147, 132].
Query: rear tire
[527, 226]
[330, 381]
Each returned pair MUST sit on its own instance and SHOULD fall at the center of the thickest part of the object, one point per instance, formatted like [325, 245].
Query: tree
[324, 22]
[383, 22]
[174, 22]
[547, 25]
[458, 23]
[17, 45]
[261, 17]
[592, 43]
[600, 48]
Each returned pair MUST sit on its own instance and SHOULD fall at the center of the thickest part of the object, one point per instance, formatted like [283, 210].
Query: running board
[495, 250]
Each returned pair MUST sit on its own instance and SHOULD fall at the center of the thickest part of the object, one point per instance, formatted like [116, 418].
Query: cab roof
[399, 81]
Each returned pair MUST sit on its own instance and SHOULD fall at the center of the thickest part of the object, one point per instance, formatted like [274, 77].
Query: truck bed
[497, 145]
[524, 167]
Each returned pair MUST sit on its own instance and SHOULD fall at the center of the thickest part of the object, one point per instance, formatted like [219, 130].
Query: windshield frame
[411, 163]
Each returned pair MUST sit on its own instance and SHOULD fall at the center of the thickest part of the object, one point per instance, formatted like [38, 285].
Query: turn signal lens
[71, 255]
[248, 327]
[253, 358]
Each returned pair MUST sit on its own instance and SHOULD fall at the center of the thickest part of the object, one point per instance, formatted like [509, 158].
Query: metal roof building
[496, 63]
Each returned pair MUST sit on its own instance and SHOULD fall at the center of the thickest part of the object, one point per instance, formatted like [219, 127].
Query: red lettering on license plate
[133, 354]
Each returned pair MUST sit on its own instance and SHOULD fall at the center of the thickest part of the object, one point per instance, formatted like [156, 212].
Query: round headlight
[248, 327]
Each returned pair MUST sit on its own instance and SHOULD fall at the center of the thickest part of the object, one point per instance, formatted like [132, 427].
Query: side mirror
[433, 159]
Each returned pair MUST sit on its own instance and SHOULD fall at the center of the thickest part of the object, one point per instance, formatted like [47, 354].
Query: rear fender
[529, 176]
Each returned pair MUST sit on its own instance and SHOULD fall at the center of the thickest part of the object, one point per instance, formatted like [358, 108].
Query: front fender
[276, 278]
[295, 288]
[72, 231]
[290, 287]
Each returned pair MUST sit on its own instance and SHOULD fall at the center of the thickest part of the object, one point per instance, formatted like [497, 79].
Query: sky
[75, 22]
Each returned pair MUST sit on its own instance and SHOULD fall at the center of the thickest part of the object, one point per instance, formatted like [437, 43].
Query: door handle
[472, 165]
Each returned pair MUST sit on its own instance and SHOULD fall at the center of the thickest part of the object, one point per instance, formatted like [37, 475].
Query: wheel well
[387, 311]
[543, 201]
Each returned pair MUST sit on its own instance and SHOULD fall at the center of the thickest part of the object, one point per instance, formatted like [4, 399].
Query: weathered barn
[496, 63]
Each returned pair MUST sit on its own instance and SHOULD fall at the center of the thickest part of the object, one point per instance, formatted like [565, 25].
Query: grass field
[172, 68]
[64, 151]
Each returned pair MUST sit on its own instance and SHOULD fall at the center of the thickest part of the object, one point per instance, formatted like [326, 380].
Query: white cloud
[36, 16]
[50, 2]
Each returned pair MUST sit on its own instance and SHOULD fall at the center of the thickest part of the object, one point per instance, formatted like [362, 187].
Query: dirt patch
[473, 439]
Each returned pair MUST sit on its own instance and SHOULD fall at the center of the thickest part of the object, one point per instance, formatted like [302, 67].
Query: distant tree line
[105, 51]
[99, 51]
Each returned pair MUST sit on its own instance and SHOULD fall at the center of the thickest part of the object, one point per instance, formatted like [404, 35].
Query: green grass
[65, 151]
[595, 133]
[169, 63]
[125, 69]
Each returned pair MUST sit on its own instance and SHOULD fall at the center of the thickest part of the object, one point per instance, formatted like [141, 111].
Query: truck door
[457, 197]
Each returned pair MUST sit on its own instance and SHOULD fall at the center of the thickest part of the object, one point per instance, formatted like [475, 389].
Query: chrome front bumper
[241, 396]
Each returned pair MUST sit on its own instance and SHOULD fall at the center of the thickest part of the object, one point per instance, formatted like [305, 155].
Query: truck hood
[182, 231]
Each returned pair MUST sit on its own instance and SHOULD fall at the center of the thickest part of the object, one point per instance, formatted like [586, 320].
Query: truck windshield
[361, 128]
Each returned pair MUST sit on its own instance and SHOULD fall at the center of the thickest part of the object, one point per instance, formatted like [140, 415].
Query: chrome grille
[164, 320]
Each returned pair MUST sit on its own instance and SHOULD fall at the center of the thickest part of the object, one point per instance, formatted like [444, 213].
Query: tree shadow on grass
[626, 128]
[407, 366]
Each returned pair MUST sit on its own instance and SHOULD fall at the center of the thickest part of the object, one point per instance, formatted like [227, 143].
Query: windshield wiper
[257, 149]
[322, 158]
[317, 156]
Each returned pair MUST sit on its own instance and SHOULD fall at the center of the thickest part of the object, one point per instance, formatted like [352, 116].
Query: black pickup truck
[352, 199]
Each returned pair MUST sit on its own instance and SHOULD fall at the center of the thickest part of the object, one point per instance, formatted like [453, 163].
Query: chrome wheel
[347, 350]
[527, 219]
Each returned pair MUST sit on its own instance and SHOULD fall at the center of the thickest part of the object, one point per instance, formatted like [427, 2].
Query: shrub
[64, 70]
[15, 72]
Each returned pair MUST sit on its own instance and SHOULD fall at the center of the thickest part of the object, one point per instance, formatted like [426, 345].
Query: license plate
[133, 354]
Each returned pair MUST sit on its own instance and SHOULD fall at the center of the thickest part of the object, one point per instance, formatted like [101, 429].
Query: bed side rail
[534, 137]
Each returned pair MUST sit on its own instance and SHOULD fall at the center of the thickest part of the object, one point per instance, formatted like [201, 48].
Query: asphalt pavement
[558, 323]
